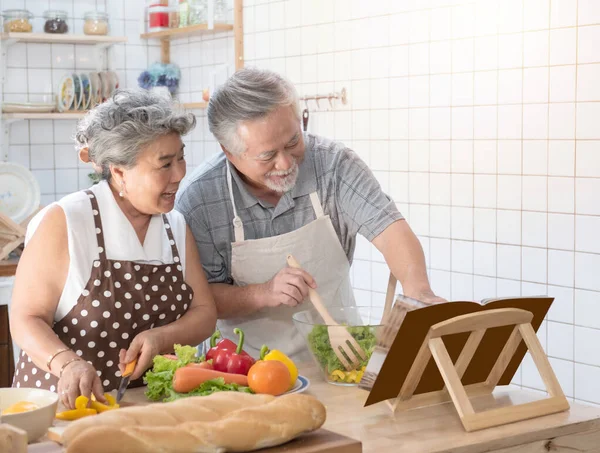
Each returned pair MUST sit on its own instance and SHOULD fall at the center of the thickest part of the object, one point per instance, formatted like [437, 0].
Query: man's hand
[288, 287]
[428, 297]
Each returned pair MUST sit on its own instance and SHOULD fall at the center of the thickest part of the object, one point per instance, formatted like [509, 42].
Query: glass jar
[17, 21]
[95, 23]
[56, 22]
[221, 12]
[198, 12]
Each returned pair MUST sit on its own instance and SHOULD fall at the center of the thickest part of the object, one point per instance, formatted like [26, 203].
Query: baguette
[196, 408]
[219, 423]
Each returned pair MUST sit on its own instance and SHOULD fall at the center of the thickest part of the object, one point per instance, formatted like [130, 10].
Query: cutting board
[320, 441]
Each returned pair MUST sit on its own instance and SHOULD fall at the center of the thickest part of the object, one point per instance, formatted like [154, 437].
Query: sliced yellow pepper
[353, 376]
[266, 354]
[99, 407]
[109, 398]
[75, 414]
[338, 374]
[81, 402]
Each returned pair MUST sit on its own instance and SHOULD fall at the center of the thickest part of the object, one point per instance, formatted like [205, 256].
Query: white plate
[19, 191]
[302, 383]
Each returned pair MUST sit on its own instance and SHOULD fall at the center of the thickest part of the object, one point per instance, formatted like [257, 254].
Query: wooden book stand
[440, 332]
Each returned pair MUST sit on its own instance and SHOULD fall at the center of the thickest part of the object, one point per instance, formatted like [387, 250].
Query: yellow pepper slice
[81, 402]
[354, 376]
[338, 374]
[111, 399]
[75, 414]
[266, 354]
[99, 407]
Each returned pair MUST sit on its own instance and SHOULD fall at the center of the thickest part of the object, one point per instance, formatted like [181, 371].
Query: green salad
[318, 338]
[160, 378]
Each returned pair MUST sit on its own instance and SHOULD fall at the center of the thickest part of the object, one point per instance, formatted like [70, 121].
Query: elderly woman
[112, 273]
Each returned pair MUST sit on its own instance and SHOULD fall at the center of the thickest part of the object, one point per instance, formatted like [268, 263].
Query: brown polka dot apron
[120, 300]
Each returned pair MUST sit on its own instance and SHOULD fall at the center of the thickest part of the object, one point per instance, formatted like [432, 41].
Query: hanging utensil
[305, 119]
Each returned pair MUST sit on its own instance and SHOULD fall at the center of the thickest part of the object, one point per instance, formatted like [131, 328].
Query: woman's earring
[121, 192]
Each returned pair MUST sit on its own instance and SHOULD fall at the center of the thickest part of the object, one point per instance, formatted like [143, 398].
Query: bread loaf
[12, 439]
[222, 422]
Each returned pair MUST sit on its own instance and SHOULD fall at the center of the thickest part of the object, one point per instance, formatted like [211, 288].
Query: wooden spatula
[339, 337]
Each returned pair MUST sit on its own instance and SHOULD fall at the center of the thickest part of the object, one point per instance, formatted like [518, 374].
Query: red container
[158, 17]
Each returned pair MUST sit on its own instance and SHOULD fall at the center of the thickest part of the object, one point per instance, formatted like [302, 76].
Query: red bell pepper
[236, 362]
[224, 345]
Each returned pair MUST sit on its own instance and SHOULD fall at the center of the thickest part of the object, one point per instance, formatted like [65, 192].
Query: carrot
[188, 378]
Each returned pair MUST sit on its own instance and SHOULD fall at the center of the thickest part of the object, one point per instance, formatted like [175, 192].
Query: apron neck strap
[98, 225]
[168, 229]
[238, 226]
[316, 204]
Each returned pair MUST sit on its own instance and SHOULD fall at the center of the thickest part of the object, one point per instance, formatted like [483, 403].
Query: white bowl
[35, 422]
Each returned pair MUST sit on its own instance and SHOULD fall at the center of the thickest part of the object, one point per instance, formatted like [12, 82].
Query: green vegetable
[318, 338]
[160, 379]
[208, 387]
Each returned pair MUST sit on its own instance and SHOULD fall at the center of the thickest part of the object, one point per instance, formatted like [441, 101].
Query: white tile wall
[491, 109]
[33, 72]
[478, 117]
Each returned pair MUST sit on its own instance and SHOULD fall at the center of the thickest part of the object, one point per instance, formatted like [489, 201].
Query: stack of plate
[84, 91]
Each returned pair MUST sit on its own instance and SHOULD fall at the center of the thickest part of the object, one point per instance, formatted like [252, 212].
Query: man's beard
[286, 183]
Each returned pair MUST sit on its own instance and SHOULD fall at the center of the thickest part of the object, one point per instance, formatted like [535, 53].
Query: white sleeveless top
[120, 239]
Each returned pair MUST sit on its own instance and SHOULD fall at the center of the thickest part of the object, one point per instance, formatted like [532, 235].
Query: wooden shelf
[8, 268]
[184, 32]
[194, 105]
[44, 116]
[49, 38]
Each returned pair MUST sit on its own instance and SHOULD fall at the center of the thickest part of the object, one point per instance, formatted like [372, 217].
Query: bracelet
[62, 368]
[51, 358]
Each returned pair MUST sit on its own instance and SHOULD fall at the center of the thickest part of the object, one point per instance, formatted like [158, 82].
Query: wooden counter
[438, 429]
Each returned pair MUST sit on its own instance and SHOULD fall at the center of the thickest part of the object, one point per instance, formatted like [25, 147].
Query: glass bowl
[362, 322]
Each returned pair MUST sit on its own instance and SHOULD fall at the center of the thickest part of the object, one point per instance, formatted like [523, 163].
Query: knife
[125, 379]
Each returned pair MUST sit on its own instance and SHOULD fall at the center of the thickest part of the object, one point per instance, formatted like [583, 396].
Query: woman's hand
[79, 378]
[144, 346]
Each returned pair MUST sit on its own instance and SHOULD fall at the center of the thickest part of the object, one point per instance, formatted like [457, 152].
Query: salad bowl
[362, 323]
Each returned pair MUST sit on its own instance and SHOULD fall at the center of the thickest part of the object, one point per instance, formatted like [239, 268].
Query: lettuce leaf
[318, 339]
[160, 379]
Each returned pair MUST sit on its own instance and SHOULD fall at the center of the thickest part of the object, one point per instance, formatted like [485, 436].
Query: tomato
[269, 376]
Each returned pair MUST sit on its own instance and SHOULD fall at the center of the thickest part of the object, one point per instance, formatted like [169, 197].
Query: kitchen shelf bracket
[5, 138]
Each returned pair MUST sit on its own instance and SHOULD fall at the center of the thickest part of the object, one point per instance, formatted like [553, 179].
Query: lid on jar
[95, 15]
[55, 14]
[17, 14]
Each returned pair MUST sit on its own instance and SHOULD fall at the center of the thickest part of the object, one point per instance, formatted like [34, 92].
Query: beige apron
[316, 247]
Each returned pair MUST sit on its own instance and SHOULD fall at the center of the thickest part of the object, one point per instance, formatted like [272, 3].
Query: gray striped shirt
[347, 189]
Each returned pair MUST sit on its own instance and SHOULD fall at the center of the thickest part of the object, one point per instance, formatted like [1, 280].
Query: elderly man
[277, 191]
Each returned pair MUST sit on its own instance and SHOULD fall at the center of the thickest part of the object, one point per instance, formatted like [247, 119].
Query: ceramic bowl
[35, 422]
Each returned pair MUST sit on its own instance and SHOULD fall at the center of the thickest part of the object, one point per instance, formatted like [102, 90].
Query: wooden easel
[452, 373]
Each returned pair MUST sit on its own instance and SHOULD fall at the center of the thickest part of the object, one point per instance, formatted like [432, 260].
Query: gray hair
[247, 95]
[116, 131]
